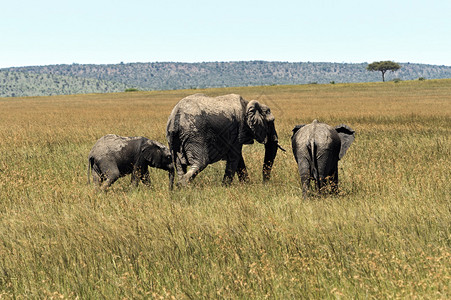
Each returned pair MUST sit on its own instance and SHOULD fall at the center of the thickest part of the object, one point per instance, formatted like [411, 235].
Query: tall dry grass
[387, 235]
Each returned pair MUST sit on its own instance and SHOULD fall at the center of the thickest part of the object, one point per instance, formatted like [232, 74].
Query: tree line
[90, 78]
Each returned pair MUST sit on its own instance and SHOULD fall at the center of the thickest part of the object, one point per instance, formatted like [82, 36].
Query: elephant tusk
[281, 148]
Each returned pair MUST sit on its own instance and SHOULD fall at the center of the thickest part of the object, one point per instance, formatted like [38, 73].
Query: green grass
[386, 235]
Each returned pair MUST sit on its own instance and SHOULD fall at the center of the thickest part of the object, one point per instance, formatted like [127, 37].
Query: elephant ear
[255, 121]
[245, 136]
[151, 153]
[347, 136]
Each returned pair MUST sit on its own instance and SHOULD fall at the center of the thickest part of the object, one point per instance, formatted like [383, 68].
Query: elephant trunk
[271, 147]
[270, 155]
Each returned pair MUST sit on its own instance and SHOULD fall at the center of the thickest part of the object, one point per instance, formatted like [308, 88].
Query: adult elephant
[202, 130]
[317, 148]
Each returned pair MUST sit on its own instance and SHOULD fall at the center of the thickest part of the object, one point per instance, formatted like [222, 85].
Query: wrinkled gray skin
[115, 156]
[202, 130]
[317, 148]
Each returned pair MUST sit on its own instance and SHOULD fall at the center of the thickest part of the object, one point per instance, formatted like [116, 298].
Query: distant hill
[22, 84]
[88, 78]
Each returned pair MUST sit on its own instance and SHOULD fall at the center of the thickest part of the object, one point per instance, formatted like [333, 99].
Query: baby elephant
[115, 156]
[317, 148]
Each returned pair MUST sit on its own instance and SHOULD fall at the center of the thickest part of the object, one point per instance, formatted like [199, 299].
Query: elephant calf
[115, 156]
[317, 148]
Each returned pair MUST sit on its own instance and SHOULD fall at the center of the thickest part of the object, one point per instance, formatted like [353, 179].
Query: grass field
[386, 235]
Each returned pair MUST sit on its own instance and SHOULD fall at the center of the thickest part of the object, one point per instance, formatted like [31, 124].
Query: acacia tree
[383, 66]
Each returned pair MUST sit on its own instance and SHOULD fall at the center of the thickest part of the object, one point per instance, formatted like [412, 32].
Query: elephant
[115, 156]
[202, 130]
[317, 148]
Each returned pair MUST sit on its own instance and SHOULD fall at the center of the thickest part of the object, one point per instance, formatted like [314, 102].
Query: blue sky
[98, 31]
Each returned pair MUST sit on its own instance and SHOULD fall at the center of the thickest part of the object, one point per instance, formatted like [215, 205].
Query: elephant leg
[320, 183]
[334, 179]
[97, 176]
[112, 175]
[108, 182]
[231, 167]
[145, 178]
[96, 179]
[135, 179]
[327, 167]
[194, 169]
[304, 172]
[325, 171]
[241, 171]
[197, 157]
[180, 167]
[140, 173]
[191, 174]
[305, 182]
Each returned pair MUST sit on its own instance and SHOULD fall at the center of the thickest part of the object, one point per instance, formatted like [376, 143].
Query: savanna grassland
[386, 235]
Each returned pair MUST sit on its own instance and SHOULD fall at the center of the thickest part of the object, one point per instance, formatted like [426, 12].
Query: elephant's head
[157, 155]
[261, 122]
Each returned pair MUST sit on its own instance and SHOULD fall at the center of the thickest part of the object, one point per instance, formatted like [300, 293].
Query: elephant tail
[173, 130]
[173, 143]
[314, 162]
[173, 133]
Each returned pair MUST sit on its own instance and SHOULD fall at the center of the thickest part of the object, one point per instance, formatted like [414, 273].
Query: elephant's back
[109, 144]
[321, 134]
[314, 132]
[302, 136]
[200, 103]
[198, 108]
